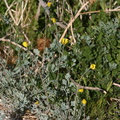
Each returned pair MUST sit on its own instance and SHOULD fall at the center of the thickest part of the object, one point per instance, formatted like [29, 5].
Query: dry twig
[27, 39]
[72, 20]
[10, 12]
[8, 40]
[79, 13]
[86, 87]
[91, 12]
[115, 99]
[25, 49]
[116, 84]
[73, 41]
[17, 15]
[38, 11]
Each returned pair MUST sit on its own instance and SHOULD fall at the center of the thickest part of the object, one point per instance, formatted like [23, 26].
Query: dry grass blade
[9, 11]
[18, 14]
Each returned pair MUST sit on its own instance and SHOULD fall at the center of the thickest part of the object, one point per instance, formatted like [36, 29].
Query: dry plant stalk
[8, 40]
[17, 14]
[79, 13]
[116, 84]
[73, 40]
[86, 87]
[12, 60]
[72, 20]
[115, 100]
[91, 88]
[91, 12]
[42, 43]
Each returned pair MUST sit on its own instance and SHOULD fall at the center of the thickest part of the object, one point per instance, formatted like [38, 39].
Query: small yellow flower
[37, 102]
[92, 66]
[84, 102]
[81, 90]
[53, 20]
[25, 44]
[64, 41]
[49, 4]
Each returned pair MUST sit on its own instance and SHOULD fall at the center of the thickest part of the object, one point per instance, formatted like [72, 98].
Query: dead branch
[86, 87]
[73, 41]
[10, 12]
[78, 13]
[72, 20]
[115, 99]
[16, 44]
[38, 11]
[8, 40]
[91, 12]
[27, 39]
[116, 84]
[25, 49]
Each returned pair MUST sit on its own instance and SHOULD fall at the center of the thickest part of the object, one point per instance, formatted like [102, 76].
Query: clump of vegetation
[59, 60]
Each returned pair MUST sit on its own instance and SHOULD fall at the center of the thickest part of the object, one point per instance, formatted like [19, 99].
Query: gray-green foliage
[46, 79]
[2, 115]
[30, 81]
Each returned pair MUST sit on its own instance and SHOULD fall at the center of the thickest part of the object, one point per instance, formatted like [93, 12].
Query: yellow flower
[84, 102]
[92, 66]
[64, 41]
[37, 102]
[53, 20]
[49, 4]
[25, 44]
[81, 90]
